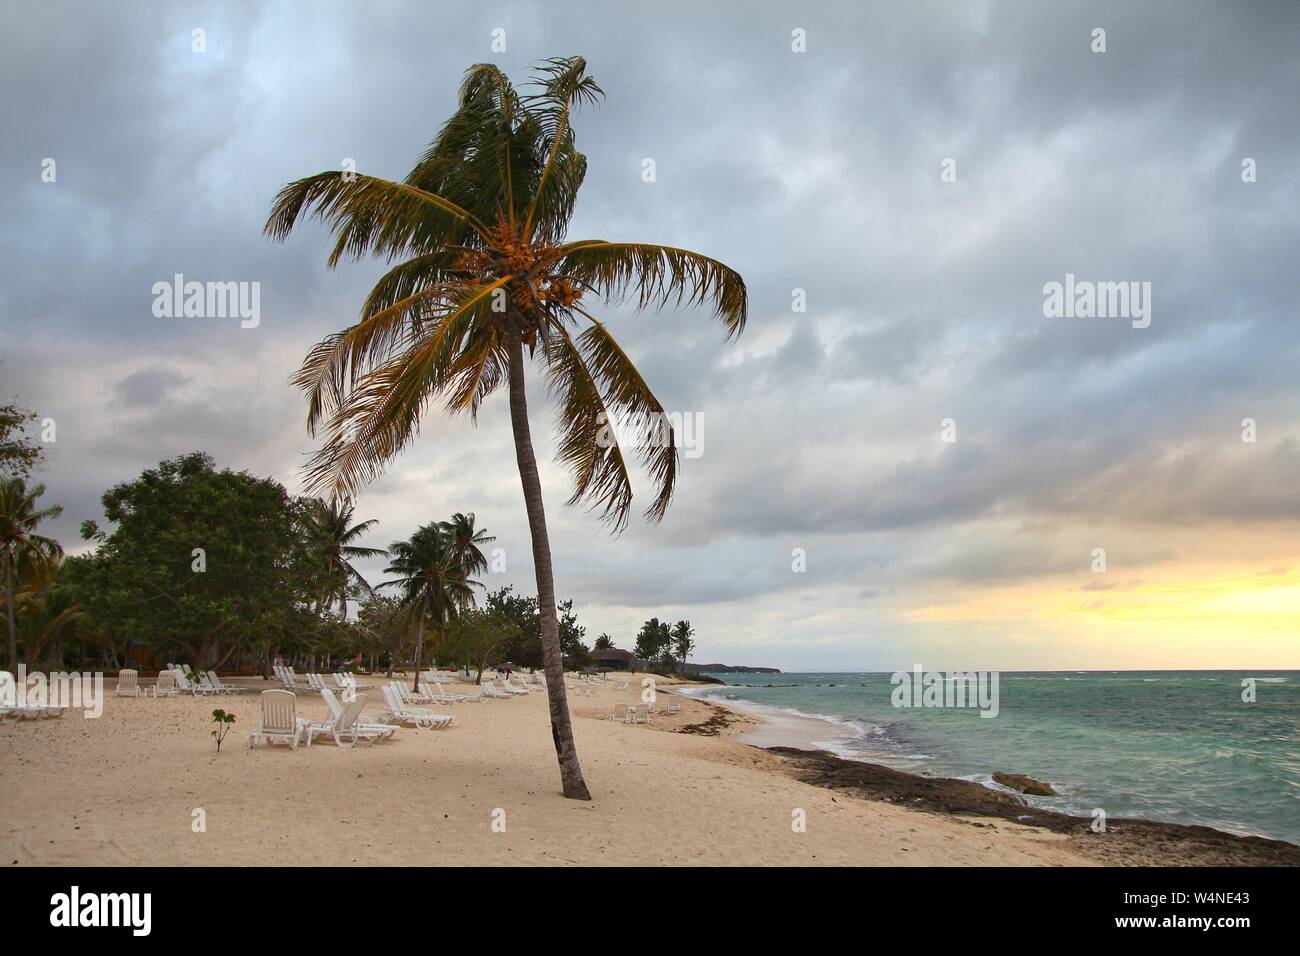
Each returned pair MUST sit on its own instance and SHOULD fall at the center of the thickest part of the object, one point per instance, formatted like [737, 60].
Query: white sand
[121, 790]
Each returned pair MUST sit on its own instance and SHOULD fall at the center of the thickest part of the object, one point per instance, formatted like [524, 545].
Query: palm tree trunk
[553, 663]
[419, 643]
[9, 615]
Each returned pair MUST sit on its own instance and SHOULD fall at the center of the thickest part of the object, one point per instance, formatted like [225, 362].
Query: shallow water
[1179, 746]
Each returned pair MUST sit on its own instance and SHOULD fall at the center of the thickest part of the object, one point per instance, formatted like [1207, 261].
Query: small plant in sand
[223, 721]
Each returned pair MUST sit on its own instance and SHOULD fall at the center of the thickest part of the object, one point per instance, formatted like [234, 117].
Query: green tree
[45, 612]
[20, 453]
[603, 643]
[572, 650]
[683, 644]
[431, 579]
[466, 542]
[479, 228]
[476, 637]
[22, 549]
[653, 641]
[524, 644]
[330, 522]
[382, 622]
[200, 565]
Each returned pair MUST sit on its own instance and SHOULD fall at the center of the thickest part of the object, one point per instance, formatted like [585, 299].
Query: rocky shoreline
[1126, 842]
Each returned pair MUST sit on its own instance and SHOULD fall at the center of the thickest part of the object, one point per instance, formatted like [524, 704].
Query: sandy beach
[122, 789]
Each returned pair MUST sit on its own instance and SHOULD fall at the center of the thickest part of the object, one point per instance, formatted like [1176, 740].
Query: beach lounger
[279, 720]
[18, 705]
[445, 697]
[217, 682]
[492, 692]
[290, 681]
[343, 726]
[409, 696]
[344, 681]
[510, 688]
[128, 683]
[335, 708]
[640, 714]
[433, 692]
[193, 686]
[165, 685]
[315, 682]
[401, 713]
[620, 713]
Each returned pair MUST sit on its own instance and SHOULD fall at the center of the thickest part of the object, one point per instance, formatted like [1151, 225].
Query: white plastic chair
[128, 683]
[279, 719]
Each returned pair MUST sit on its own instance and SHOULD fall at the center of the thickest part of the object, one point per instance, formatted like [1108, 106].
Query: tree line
[227, 570]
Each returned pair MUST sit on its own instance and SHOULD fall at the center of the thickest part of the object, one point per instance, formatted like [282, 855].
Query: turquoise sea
[1179, 746]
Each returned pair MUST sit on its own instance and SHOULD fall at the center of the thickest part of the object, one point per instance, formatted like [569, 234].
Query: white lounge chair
[219, 684]
[279, 719]
[444, 697]
[335, 708]
[620, 713]
[344, 681]
[401, 713]
[639, 715]
[193, 686]
[128, 683]
[165, 685]
[433, 689]
[492, 692]
[409, 696]
[18, 705]
[510, 688]
[343, 726]
[289, 679]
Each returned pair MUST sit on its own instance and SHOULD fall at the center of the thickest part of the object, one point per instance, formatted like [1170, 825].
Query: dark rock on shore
[1022, 784]
[1125, 842]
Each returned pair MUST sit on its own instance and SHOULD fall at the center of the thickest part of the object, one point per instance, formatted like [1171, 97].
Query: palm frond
[588, 443]
[564, 85]
[627, 393]
[371, 216]
[378, 413]
[657, 276]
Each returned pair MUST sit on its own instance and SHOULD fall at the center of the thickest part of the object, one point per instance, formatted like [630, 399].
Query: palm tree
[20, 546]
[45, 609]
[603, 643]
[432, 581]
[484, 269]
[466, 540]
[331, 524]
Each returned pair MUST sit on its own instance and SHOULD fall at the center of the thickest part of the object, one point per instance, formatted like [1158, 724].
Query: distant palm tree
[20, 546]
[46, 610]
[331, 523]
[603, 643]
[431, 580]
[466, 541]
[479, 228]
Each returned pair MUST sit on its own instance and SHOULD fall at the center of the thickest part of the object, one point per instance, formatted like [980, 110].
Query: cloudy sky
[823, 430]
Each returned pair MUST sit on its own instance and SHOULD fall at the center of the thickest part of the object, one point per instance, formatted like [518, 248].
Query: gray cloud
[817, 171]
